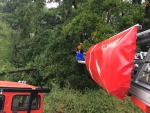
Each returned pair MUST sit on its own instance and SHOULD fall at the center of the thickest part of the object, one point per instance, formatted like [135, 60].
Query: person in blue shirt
[79, 52]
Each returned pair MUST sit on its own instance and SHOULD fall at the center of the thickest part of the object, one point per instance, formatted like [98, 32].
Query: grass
[68, 100]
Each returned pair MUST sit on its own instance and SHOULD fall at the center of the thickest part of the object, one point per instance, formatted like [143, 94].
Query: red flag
[110, 62]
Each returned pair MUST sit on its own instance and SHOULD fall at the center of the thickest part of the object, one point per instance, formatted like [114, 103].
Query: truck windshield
[2, 99]
[21, 102]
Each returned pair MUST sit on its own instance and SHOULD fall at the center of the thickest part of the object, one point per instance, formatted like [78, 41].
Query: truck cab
[20, 97]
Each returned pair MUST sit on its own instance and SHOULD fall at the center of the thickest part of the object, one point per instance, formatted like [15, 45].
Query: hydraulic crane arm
[139, 81]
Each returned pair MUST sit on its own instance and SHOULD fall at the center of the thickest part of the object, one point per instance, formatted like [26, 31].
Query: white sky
[52, 4]
[55, 4]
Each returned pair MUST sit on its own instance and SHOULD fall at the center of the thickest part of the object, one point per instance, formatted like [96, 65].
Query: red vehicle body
[20, 98]
[121, 66]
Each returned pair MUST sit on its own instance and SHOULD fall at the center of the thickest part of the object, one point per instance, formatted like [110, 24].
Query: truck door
[20, 104]
[2, 100]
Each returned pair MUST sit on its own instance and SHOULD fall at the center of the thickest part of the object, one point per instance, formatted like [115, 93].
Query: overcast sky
[52, 4]
[55, 4]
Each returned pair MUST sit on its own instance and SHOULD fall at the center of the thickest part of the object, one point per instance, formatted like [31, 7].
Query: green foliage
[33, 36]
[44, 38]
[5, 46]
[131, 15]
[101, 19]
[86, 44]
[68, 100]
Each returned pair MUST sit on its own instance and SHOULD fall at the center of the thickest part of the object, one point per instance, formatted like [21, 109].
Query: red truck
[19, 97]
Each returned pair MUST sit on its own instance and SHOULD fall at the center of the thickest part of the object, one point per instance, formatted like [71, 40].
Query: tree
[43, 39]
[5, 46]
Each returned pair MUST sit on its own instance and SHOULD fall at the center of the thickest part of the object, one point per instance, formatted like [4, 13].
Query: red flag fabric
[110, 62]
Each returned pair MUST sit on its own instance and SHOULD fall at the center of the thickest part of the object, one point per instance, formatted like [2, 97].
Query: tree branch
[18, 70]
